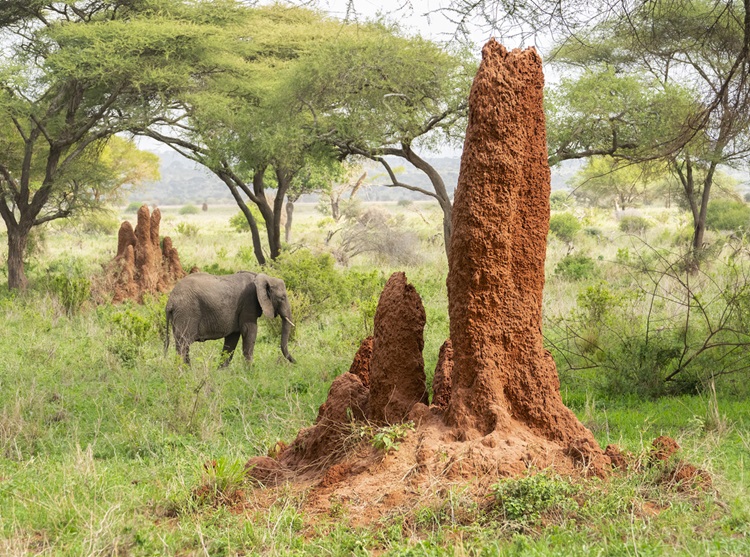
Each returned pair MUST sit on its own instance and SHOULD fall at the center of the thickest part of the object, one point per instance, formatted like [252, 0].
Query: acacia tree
[380, 93]
[688, 104]
[605, 181]
[74, 74]
[242, 125]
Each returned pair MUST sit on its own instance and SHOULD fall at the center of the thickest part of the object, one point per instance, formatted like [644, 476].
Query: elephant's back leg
[183, 330]
[230, 343]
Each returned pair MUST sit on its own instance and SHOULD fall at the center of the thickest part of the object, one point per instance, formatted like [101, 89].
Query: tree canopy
[661, 81]
[75, 74]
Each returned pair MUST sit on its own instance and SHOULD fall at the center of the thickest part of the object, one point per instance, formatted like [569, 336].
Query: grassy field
[104, 440]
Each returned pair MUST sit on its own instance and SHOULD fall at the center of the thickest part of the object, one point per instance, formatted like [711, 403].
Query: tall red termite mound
[141, 265]
[497, 409]
[502, 375]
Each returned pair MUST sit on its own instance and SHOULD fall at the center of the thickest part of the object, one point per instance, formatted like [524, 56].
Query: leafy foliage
[526, 499]
[724, 214]
[634, 224]
[565, 226]
[189, 210]
[577, 266]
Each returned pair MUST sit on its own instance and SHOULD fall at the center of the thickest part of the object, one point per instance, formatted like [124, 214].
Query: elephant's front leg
[230, 343]
[249, 332]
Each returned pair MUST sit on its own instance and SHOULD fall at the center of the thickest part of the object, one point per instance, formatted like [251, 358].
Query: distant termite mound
[142, 265]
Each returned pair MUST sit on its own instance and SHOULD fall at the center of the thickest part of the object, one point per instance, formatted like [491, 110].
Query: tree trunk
[335, 210]
[289, 216]
[255, 234]
[17, 240]
[284, 181]
[259, 187]
[440, 190]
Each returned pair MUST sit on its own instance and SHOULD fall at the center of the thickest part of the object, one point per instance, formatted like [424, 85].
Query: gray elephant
[207, 307]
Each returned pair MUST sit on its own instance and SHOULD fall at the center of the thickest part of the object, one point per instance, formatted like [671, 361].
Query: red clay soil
[663, 448]
[141, 266]
[361, 364]
[441, 381]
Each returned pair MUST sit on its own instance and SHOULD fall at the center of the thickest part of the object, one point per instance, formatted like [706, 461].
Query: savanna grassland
[104, 441]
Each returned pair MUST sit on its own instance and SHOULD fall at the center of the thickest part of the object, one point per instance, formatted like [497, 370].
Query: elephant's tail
[166, 332]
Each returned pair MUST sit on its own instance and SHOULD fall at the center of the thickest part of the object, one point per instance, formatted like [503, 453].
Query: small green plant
[576, 267]
[565, 226]
[189, 209]
[633, 224]
[560, 200]
[222, 480]
[524, 500]
[187, 229]
[133, 207]
[388, 438]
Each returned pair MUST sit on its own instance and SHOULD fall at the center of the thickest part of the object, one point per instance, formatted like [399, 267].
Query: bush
[576, 267]
[633, 224]
[565, 226]
[189, 210]
[374, 232]
[560, 200]
[133, 207]
[239, 222]
[187, 229]
[316, 277]
[725, 214]
[68, 281]
[524, 500]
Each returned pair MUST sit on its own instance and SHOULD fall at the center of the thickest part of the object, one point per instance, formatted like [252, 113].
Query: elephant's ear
[262, 286]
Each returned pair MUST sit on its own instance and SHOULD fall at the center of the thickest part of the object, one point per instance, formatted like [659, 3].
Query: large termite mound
[142, 265]
[496, 408]
[502, 375]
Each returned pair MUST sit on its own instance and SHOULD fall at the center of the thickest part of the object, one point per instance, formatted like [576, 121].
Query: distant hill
[184, 181]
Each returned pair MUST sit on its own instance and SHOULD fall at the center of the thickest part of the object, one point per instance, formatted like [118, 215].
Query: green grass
[104, 441]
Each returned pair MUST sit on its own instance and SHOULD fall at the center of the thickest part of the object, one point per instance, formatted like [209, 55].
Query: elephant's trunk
[286, 329]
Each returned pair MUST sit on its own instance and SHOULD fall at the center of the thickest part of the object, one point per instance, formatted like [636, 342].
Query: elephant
[204, 307]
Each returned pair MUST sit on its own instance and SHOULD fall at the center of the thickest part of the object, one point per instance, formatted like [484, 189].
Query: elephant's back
[206, 304]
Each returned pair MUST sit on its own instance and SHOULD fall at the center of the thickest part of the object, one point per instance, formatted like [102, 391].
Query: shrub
[133, 207]
[67, 280]
[187, 229]
[725, 214]
[565, 226]
[375, 232]
[576, 267]
[239, 222]
[316, 277]
[189, 209]
[524, 500]
[560, 200]
[633, 224]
